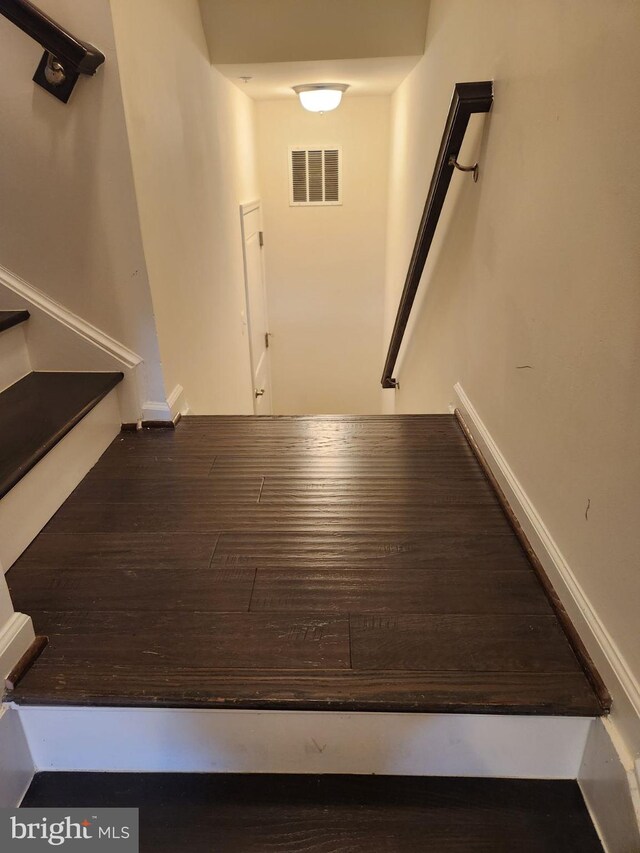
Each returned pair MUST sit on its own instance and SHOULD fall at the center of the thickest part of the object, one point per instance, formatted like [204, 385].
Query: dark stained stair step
[333, 814]
[38, 411]
[8, 319]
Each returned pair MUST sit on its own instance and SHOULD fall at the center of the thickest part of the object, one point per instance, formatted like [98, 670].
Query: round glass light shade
[320, 97]
[320, 100]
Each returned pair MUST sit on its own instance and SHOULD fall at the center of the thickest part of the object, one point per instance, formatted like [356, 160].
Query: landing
[333, 562]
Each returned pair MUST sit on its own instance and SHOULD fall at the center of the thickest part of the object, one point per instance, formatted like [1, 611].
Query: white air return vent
[315, 176]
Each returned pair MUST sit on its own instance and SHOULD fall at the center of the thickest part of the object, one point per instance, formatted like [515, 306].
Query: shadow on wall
[444, 285]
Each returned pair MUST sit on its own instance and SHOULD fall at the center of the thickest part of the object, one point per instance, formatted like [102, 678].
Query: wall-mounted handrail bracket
[65, 57]
[468, 98]
[453, 162]
[55, 77]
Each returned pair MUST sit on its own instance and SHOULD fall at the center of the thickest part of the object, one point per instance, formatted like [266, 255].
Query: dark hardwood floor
[333, 814]
[335, 562]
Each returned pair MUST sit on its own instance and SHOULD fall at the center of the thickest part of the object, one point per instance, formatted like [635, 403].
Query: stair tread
[85, 682]
[361, 814]
[8, 319]
[38, 411]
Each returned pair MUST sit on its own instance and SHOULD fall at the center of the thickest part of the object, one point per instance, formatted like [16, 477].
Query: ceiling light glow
[320, 97]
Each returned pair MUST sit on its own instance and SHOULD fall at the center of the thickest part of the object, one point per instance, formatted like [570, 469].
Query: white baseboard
[610, 788]
[177, 402]
[16, 635]
[175, 405]
[30, 504]
[620, 681]
[243, 741]
[14, 356]
[16, 763]
[617, 675]
[156, 410]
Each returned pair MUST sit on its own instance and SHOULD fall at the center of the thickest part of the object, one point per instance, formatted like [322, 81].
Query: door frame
[246, 208]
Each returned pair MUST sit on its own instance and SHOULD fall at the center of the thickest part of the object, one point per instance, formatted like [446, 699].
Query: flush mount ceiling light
[320, 97]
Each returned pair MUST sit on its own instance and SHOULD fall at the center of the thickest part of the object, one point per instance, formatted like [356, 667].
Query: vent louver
[315, 176]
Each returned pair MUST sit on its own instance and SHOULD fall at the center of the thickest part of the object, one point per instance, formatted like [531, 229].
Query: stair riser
[115, 739]
[16, 764]
[610, 788]
[26, 509]
[14, 356]
[242, 741]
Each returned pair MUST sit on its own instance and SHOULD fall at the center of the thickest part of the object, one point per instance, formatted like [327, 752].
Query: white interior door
[251, 218]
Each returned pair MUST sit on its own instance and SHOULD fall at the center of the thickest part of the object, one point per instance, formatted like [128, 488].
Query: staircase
[53, 428]
[338, 597]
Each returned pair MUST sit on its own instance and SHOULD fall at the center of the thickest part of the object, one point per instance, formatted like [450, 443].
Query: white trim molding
[249, 206]
[244, 741]
[617, 675]
[16, 635]
[59, 340]
[16, 763]
[156, 410]
[610, 789]
[176, 404]
[37, 299]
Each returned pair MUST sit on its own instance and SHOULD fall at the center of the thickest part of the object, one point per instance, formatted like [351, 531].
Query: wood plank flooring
[330, 562]
[333, 814]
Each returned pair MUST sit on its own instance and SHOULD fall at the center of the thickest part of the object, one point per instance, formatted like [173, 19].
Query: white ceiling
[370, 44]
[379, 76]
[240, 31]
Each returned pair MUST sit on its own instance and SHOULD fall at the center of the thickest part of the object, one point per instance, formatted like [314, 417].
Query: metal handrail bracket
[65, 56]
[468, 98]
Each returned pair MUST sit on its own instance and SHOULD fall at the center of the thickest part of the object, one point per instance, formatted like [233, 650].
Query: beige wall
[539, 265]
[69, 221]
[325, 265]
[191, 135]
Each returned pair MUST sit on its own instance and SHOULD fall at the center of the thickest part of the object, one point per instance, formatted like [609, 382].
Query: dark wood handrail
[66, 56]
[467, 98]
